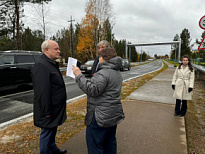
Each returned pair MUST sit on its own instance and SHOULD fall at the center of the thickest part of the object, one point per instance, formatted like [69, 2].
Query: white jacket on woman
[183, 79]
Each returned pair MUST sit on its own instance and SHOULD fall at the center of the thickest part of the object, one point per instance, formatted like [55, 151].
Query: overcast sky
[137, 21]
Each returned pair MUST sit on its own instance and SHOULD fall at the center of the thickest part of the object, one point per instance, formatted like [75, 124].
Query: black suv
[15, 67]
[125, 64]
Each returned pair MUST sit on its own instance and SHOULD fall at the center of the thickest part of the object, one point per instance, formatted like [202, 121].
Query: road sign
[202, 44]
[202, 22]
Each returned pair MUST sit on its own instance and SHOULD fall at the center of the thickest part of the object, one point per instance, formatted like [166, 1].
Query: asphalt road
[19, 101]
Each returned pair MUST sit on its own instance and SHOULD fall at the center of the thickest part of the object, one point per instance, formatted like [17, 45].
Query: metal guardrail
[199, 68]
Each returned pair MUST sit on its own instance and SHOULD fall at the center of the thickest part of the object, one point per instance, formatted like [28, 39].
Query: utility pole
[71, 37]
[16, 2]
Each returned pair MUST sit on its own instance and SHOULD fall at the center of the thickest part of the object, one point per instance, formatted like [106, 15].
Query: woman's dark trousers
[101, 140]
[180, 109]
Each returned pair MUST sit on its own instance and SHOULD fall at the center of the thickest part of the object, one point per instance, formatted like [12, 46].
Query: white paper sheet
[71, 62]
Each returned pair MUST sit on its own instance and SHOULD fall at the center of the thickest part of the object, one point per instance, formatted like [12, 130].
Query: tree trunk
[17, 24]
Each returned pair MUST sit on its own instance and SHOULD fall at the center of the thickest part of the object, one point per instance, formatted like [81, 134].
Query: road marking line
[15, 121]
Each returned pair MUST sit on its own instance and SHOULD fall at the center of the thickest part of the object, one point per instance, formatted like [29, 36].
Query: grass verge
[24, 137]
[195, 119]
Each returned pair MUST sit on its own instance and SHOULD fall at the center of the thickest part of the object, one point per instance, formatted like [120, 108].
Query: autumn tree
[86, 48]
[94, 27]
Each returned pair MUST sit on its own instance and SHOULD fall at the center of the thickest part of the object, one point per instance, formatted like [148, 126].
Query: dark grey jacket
[103, 92]
[49, 94]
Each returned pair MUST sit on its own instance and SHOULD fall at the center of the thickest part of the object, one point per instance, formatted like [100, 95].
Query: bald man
[49, 97]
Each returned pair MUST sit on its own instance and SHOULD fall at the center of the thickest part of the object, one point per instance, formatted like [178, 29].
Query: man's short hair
[104, 42]
[108, 53]
[45, 45]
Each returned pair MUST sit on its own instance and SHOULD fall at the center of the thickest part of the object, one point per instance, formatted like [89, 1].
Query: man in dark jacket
[104, 108]
[49, 97]
[101, 45]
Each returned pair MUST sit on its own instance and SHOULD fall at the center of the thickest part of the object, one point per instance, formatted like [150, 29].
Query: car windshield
[90, 62]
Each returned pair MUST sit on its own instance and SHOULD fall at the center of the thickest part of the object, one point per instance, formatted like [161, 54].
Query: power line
[52, 15]
[31, 18]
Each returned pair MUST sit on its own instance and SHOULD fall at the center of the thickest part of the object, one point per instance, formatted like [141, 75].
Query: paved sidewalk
[150, 126]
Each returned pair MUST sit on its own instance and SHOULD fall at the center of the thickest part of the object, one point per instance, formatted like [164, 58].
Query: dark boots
[180, 110]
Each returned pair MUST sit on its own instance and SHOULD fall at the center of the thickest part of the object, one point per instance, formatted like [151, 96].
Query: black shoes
[177, 114]
[60, 151]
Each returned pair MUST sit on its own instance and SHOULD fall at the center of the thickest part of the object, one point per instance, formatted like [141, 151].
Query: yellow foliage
[86, 48]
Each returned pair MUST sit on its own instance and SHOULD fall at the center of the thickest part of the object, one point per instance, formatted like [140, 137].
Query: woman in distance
[182, 84]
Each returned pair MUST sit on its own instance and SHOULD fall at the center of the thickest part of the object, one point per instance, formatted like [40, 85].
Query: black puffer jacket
[103, 91]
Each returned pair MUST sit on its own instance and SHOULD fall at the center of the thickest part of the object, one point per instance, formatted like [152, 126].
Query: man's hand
[76, 71]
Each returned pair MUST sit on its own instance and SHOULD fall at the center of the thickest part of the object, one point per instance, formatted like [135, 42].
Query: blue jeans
[101, 140]
[47, 140]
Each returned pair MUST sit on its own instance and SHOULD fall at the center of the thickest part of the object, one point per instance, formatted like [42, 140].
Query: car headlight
[89, 68]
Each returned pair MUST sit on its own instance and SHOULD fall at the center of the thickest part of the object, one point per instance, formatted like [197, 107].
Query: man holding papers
[104, 108]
